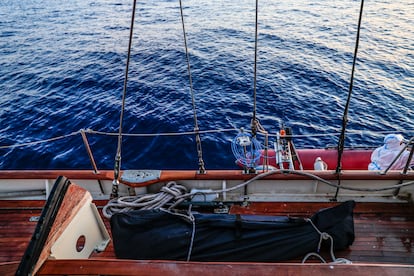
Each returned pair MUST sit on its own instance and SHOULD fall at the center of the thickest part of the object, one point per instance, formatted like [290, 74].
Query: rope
[254, 120]
[341, 142]
[315, 177]
[264, 132]
[169, 194]
[91, 131]
[117, 165]
[246, 149]
[163, 133]
[324, 236]
[40, 141]
[190, 217]
[350, 132]
[196, 129]
[309, 175]
[173, 194]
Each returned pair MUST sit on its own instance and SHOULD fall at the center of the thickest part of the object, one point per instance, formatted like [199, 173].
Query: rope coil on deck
[170, 194]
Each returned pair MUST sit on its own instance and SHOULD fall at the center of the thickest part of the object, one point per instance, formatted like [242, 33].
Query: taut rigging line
[117, 166]
[201, 168]
[254, 119]
[341, 142]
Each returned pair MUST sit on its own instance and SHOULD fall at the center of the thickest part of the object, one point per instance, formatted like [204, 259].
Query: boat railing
[84, 133]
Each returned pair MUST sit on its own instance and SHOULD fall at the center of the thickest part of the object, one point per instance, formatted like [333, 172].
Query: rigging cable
[254, 122]
[341, 141]
[254, 119]
[117, 166]
[201, 168]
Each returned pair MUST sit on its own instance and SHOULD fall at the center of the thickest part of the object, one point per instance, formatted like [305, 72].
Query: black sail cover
[157, 234]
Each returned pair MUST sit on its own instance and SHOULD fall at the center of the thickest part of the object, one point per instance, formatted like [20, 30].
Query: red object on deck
[352, 159]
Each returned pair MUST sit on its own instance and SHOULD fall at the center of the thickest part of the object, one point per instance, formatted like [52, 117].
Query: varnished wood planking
[384, 232]
[130, 267]
[16, 230]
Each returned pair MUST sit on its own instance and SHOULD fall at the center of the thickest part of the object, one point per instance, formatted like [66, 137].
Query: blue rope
[246, 149]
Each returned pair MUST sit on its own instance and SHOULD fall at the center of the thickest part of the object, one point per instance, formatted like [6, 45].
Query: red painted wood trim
[173, 175]
[240, 175]
[53, 174]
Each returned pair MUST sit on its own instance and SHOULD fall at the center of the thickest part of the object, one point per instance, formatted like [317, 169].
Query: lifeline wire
[41, 141]
[91, 131]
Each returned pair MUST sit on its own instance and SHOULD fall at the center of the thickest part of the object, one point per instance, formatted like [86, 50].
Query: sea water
[62, 69]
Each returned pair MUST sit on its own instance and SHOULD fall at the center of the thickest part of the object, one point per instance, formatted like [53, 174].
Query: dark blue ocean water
[62, 69]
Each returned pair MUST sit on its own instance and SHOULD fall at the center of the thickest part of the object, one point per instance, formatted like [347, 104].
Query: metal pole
[91, 158]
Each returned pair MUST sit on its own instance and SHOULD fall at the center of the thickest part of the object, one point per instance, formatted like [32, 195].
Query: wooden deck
[384, 235]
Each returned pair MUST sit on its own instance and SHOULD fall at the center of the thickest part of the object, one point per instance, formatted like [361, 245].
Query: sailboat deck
[384, 232]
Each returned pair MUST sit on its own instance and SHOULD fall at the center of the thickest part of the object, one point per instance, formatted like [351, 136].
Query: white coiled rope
[171, 194]
[174, 193]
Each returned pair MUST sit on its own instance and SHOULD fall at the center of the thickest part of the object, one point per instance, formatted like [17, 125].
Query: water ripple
[62, 69]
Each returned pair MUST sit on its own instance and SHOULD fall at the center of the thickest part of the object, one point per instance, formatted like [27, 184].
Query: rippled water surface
[62, 67]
